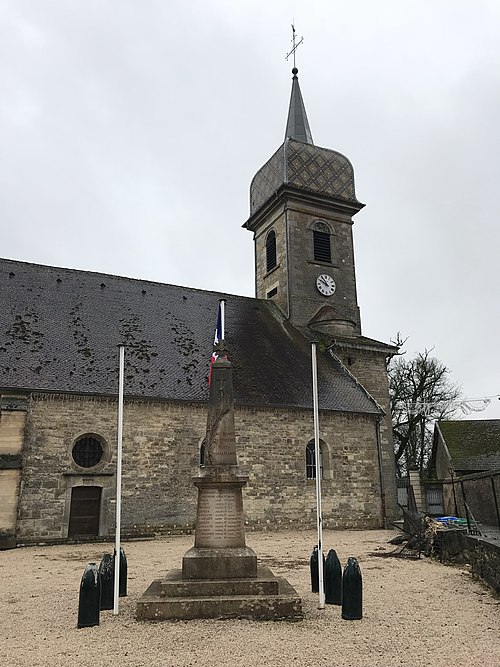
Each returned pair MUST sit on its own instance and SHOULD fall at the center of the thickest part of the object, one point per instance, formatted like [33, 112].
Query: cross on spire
[297, 126]
[295, 46]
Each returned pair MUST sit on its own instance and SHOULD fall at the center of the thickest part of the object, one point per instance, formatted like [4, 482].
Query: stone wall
[483, 556]
[12, 422]
[304, 269]
[369, 367]
[278, 493]
[161, 454]
[9, 488]
[297, 269]
[485, 560]
[265, 281]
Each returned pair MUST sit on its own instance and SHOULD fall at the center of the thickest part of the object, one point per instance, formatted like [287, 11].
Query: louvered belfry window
[322, 244]
[87, 451]
[271, 251]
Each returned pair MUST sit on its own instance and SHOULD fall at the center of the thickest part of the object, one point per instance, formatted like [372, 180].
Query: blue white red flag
[219, 335]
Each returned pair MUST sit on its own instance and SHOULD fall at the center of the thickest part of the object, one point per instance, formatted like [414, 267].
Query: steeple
[297, 126]
[301, 205]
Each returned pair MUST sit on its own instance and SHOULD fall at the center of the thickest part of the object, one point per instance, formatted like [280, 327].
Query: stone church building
[59, 332]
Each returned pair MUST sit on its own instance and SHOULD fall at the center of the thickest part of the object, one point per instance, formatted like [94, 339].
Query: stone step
[157, 604]
[265, 583]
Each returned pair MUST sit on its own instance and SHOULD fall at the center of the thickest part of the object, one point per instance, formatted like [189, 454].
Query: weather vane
[295, 46]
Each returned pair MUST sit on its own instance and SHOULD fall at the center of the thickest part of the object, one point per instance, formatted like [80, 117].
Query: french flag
[219, 335]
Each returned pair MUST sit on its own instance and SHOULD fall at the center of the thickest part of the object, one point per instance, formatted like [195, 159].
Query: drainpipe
[381, 477]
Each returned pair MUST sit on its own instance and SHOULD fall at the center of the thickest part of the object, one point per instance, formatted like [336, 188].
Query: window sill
[90, 472]
[272, 270]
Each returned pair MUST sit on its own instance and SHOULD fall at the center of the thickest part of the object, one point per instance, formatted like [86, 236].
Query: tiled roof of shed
[60, 328]
[473, 444]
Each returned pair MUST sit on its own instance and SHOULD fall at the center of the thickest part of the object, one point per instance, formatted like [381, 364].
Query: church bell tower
[302, 202]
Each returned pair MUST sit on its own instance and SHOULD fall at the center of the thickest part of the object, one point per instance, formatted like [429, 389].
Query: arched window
[271, 250]
[202, 453]
[322, 243]
[311, 460]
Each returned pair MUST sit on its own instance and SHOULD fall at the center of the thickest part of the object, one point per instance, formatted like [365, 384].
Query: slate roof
[474, 445]
[60, 328]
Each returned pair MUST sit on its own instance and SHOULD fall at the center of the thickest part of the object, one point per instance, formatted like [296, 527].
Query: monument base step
[176, 585]
[219, 563]
[264, 598]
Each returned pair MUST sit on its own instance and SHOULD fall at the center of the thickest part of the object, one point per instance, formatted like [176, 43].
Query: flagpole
[223, 318]
[119, 479]
[321, 604]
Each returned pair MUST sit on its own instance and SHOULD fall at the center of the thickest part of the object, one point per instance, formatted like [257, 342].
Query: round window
[87, 451]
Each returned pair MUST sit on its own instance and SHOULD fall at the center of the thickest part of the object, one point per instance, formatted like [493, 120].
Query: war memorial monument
[220, 577]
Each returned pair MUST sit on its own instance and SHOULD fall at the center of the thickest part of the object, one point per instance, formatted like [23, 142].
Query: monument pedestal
[219, 563]
[219, 550]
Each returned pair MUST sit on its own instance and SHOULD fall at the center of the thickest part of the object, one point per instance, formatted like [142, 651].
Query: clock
[325, 284]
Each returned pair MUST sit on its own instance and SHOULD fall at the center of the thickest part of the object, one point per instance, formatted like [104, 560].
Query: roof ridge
[345, 370]
[126, 278]
[468, 421]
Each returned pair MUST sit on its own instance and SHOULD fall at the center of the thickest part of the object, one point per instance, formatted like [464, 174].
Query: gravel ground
[415, 612]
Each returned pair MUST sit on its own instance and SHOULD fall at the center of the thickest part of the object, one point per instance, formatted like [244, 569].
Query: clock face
[325, 284]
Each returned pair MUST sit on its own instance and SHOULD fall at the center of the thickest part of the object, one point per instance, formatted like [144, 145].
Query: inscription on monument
[219, 521]
[224, 448]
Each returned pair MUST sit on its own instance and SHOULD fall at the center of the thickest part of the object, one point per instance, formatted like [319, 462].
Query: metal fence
[434, 499]
[476, 496]
[432, 496]
[402, 489]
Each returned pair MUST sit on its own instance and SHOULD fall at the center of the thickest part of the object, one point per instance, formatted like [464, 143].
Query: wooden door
[84, 511]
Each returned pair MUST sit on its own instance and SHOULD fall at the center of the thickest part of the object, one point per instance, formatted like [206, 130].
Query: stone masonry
[12, 423]
[161, 454]
[369, 367]
[298, 271]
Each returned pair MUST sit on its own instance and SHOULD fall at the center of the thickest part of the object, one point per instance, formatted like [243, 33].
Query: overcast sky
[130, 131]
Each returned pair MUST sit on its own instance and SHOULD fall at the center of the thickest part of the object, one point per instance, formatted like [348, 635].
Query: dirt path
[415, 612]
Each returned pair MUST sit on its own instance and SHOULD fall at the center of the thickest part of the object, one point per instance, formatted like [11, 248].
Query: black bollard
[122, 589]
[333, 579]
[90, 598]
[352, 591]
[313, 565]
[107, 578]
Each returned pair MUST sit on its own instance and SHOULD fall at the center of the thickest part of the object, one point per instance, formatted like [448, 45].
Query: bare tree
[420, 392]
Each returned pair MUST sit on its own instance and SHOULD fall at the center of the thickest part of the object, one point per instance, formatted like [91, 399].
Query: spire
[297, 126]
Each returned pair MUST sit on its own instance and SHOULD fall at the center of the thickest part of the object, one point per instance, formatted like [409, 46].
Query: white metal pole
[222, 319]
[119, 480]
[317, 460]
